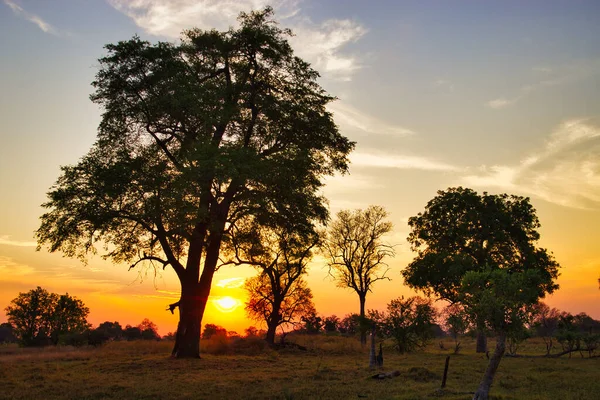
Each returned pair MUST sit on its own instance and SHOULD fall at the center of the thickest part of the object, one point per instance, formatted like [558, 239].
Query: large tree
[462, 231]
[356, 252]
[480, 251]
[195, 136]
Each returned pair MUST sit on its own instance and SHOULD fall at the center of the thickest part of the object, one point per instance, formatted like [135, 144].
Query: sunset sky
[499, 96]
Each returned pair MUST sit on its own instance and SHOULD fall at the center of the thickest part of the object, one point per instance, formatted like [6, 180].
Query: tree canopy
[479, 251]
[356, 252]
[194, 137]
[462, 231]
[39, 317]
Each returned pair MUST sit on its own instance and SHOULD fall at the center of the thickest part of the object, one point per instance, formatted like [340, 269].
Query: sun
[227, 304]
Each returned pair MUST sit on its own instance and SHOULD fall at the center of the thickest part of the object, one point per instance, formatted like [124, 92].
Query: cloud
[500, 103]
[230, 283]
[43, 25]
[565, 171]
[5, 240]
[10, 269]
[554, 77]
[381, 160]
[443, 84]
[321, 44]
[349, 117]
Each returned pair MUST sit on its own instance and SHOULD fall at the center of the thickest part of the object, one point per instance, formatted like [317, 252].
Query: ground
[331, 368]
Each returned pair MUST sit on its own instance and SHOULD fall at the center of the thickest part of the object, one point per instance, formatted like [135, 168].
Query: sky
[496, 96]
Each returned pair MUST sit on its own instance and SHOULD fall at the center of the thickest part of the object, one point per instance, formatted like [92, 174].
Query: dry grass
[332, 368]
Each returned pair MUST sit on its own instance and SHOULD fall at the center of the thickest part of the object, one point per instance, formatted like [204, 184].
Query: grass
[332, 368]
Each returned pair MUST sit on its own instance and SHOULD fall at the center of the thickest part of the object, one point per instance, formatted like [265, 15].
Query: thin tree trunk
[481, 341]
[483, 390]
[363, 321]
[372, 357]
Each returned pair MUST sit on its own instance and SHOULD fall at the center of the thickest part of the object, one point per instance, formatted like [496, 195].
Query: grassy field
[332, 368]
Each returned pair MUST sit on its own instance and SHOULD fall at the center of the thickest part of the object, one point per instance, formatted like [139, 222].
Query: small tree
[457, 323]
[313, 324]
[263, 303]
[350, 324]
[280, 251]
[68, 318]
[211, 330]
[501, 299]
[356, 252]
[7, 333]
[149, 330]
[409, 323]
[40, 317]
[132, 333]
[545, 324]
[331, 324]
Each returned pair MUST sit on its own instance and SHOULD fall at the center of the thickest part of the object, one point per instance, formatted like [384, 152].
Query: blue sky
[495, 95]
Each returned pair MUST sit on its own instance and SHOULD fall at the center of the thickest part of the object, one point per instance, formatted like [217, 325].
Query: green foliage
[40, 317]
[578, 333]
[409, 322]
[222, 125]
[194, 137]
[461, 231]
[457, 323]
[545, 324]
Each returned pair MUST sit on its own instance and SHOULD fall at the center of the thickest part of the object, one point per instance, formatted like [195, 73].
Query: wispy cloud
[11, 269]
[231, 283]
[443, 84]
[549, 77]
[501, 103]
[382, 160]
[6, 240]
[43, 25]
[349, 117]
[321, 44]
[565, 171]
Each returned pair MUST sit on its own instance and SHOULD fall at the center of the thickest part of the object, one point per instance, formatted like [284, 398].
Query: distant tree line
[41, 318]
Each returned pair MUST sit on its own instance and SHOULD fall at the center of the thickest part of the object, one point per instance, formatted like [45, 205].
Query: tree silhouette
[280, 251]
[356, 252]
[194, 137]
[40, 317]
[480, 252]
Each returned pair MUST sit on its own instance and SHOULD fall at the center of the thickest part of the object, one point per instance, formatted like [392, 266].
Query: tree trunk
[272, 324]
[372, 357]
[481, 341]
[363, 320]
[191, 309]
[484, 387]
